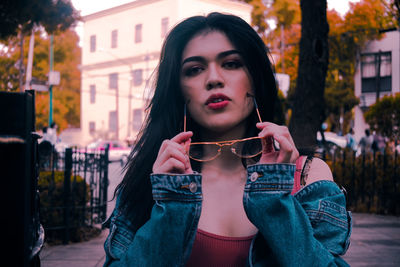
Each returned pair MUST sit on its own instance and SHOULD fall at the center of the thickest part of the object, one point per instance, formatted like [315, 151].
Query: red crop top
[214, 250]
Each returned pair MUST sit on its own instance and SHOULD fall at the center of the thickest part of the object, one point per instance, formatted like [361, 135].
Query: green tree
[53, 15]
[348, 35]
[259, 15]
[9, 74]
[394, 9]
[339, 91]
[66, 96]
[384, 116]
[284, 39]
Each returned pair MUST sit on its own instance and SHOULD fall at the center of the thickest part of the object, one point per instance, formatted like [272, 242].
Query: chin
[224, 127]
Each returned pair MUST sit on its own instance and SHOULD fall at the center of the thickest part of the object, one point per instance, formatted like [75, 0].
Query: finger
[266, 136]
[168, 143]
[172, 165]
[287, 149]
[270, 129]
[267, 145]
[171, 152]
[265, 124]
[189, 169]
[273, 129]
[182, 137]
[186, 145]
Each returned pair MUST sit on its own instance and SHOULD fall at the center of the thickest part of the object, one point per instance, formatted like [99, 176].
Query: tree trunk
[308, 98]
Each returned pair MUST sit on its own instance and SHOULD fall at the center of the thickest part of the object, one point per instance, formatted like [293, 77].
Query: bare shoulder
[319, 170]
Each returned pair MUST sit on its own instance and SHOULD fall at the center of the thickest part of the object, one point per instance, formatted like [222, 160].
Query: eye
[192, 71]
[232, 64]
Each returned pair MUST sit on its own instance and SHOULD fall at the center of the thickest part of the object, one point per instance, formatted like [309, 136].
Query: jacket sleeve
[167, 237]
[312, 227]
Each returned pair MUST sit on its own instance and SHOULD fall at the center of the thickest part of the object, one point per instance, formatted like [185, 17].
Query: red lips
[217, 101]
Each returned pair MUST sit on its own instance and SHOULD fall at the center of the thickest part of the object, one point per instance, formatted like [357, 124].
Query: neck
[226, 164]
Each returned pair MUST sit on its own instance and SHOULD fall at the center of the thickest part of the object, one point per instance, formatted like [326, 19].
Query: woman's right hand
[173, 157]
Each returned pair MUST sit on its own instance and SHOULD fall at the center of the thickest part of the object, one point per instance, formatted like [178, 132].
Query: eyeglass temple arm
[255, 105]
[259, 117]
[184, 117]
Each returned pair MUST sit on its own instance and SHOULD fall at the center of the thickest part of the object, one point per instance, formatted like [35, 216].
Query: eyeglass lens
[244, 149]
[247, 148]
[203, 152]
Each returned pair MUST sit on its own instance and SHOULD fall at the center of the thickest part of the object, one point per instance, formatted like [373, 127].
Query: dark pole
[21, 63]
[67, 193]
[378, 76]
[51, 59]
[117, 112]
[105, 182]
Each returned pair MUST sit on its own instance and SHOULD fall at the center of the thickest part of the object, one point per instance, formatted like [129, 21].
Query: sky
[91, 6]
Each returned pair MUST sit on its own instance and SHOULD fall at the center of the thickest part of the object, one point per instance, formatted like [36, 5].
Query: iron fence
[372, 180]
[73, 191]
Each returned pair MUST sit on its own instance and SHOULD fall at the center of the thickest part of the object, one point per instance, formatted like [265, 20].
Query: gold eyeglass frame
[221, 144]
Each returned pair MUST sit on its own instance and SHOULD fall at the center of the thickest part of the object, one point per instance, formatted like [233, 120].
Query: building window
[164, 27]
[92, 43]
[137, 119]
[376, 71]
[113, 81]
[92, 94]
[138, 33]
[114, 39]
[137, 77]
[112, 121]
[92, 127]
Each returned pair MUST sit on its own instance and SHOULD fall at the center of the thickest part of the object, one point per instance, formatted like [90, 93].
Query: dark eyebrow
[219, 56]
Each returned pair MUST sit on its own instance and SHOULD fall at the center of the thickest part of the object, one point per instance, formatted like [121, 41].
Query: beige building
[378, 68]
[121, 48]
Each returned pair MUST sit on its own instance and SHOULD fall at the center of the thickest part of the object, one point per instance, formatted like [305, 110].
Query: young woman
[211, 180]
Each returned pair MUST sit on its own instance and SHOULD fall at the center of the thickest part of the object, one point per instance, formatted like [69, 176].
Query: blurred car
[61, 146]
[118, 151]
[332, 142]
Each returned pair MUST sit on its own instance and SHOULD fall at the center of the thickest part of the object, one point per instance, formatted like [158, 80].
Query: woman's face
[215, 83]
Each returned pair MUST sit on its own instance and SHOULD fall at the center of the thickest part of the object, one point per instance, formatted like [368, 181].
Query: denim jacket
[310, 228]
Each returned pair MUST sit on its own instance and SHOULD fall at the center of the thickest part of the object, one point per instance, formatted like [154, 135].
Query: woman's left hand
[287, 150]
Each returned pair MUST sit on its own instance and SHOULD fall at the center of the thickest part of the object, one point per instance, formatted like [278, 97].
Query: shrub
[372, 180]
[53, 209]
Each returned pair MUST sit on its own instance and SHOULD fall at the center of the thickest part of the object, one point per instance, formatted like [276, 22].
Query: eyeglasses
[243, 148]
[207, 151]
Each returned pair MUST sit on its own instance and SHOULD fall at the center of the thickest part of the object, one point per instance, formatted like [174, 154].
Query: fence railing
[372, 180]
[73, 191]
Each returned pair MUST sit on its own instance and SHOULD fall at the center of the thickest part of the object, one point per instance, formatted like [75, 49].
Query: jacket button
[254, 176]
[193, 187]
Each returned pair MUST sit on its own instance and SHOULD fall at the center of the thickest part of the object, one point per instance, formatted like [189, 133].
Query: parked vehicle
[61, 146]
[118, 151]
[332, 142]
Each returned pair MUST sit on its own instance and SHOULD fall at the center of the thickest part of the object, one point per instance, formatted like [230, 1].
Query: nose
[214, 78]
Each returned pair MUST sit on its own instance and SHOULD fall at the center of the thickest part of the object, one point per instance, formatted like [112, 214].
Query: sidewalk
[375, 241]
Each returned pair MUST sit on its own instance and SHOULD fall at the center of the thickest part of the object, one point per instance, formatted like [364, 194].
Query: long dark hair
[165, 117]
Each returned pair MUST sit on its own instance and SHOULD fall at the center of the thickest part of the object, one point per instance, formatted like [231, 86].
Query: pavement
[375, 241]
